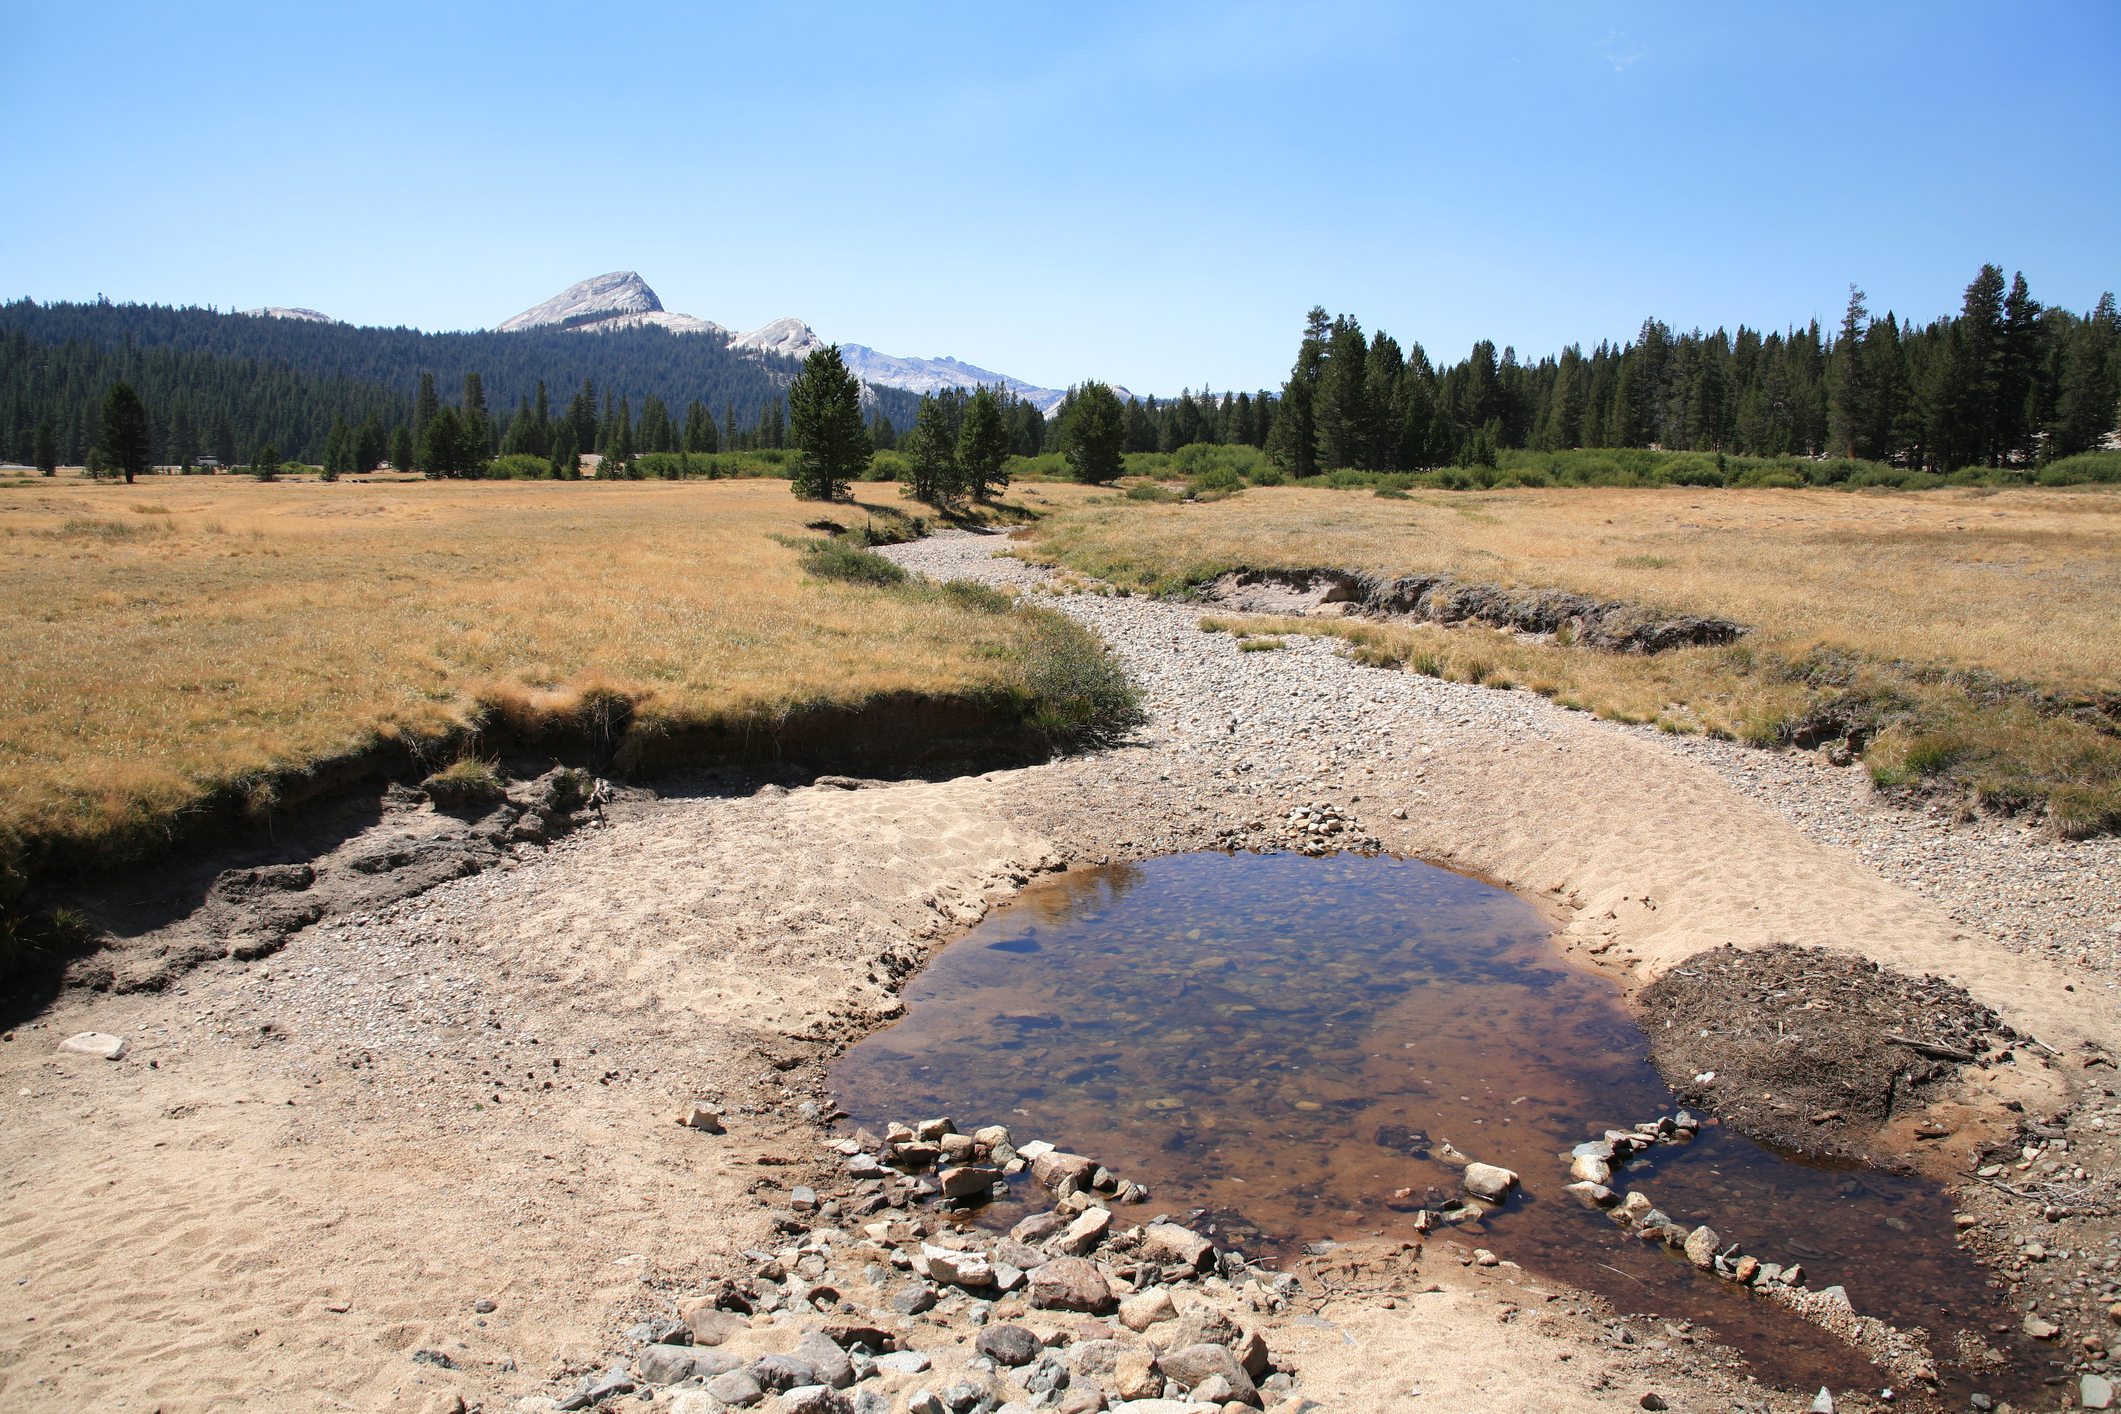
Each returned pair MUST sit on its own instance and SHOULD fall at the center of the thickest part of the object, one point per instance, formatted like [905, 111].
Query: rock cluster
[909, 1162]
[1068, 1311]
[1592, 1166]
[1314, 829]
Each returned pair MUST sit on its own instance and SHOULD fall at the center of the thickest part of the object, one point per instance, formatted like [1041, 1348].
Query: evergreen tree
[265, 463]
[931, 448]
[882, 435]
[566, 462]
[619, 445]
[46, 455]
[825, 416]
[582, 417]
[338, 455]
[1293, 443]
[224, 440]
[124, 438]
[982, 446]
[544, 420]
[370, 446]
[700, 434]
[732, 435]
[183, 438]
[1849, 409]
[1565, 422]
[441, 449]
[2017, 374]
[2088, 382]
[1092, 434]
[424, 407]
[1346, 423]
[402, 453]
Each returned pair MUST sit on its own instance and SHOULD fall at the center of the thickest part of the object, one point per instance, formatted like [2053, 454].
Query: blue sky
[1152, 194]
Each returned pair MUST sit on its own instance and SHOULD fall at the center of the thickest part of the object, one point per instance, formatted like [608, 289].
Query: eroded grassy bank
[1960, 640]
[184, 644]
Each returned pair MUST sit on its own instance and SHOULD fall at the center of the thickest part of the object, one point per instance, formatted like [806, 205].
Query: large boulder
[1701, 1245]
[968, 1181]
[1070, 1284]
[667, 1364]
[1192, 1365]
[775, 1373]
[822, 1354]
[1008, 1345]
[1170, 1244]
[1050, 1168]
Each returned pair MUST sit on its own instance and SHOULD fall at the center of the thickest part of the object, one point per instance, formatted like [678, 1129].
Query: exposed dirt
[1823, 1052]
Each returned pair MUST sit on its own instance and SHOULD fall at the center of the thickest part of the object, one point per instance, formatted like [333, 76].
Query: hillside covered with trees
[289, 382]
[2004, 383]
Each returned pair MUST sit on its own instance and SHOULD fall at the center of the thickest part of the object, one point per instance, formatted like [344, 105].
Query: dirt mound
[1811, 1049]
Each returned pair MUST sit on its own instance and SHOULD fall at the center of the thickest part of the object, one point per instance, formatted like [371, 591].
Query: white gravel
[1307, 720]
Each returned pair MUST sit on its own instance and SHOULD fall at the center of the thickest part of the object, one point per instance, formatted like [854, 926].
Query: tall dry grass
[162, 642]
[1967, 639]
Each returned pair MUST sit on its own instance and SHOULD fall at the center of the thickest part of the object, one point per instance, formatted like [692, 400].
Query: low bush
[1073, 690]
[518, 466]
[1259, 645]
[888, 466]
[468, 780]
[839, 560]
[2083, 469]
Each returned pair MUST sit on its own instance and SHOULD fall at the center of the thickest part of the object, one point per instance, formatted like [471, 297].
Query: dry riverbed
[441, 1125]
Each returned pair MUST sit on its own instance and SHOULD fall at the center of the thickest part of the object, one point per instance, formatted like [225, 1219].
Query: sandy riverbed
[310, 1166]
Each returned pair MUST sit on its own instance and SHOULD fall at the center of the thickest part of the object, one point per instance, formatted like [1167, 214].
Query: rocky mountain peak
[619, 294]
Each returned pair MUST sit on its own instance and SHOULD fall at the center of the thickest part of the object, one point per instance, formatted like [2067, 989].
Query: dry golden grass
[1895, 611]
[169, 637]
[2026, 584]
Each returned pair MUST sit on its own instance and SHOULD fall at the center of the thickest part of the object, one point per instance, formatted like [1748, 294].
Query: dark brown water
[1239, 1032]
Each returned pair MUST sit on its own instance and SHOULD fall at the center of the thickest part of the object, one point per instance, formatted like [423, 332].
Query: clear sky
[1151, 194]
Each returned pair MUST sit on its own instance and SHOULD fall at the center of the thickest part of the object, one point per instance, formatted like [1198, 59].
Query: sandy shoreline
[363, 1119]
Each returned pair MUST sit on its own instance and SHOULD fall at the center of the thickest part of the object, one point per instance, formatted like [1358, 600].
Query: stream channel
[1283, 1041]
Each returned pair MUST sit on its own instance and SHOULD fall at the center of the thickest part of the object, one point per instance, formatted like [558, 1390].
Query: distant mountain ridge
[623, 300]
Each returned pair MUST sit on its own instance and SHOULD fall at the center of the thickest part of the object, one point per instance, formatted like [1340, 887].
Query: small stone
[930, 1130]
[1145, 1308]
[1036, 1229]
[1008, 1345]
[1082, 1235]
[701, 1117]
[913, 1300]
[1822, 1402]
[903, 1362]
[2039, 1328]
[1595, 1149]
[957, 1268]
[1701, 1245]
[1633, 1208]
[967, 1181]
[1652, 1401]
[1591, 1195]
[667, 1364]
[483, 1306]
[100, 1044]
[1584, 1168]
[926, 1401]
[1489, 1181]
[1745, 1269]
[1215, 1391]
[777, 1373]
[813, 1399]
[2095, 1392]
[1482, 1257]
[802, 1199]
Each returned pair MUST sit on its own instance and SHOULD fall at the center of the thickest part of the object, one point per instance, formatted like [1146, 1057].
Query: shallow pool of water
[1276, 1039]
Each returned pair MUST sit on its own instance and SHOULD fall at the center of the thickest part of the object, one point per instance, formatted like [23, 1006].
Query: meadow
[188, 635]
[1964, 637]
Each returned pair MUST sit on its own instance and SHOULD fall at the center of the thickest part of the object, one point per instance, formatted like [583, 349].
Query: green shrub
[887, 466]
[980, 598]
[1074, 690]
[518, 466]
[2083, 469]
[1148, 491]
[1048, 466]
[836, 559]
[1269, 475]
[464, 782]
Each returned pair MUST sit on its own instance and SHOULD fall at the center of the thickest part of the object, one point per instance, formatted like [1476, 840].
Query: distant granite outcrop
[620, 300]
[274, 311]
[623, 300]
